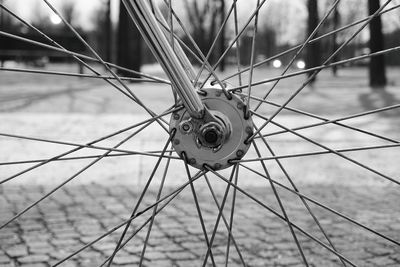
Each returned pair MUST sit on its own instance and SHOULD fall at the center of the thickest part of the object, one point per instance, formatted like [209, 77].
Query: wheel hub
[213, 143]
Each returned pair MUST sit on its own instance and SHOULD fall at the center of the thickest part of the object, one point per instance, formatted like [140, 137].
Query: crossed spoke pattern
[227, 212]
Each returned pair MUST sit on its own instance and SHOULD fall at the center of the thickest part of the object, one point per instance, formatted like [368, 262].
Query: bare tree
[129, 43]
[377, 74]
[203, 18]
[335, 25]
[40, 20]
[108, 31]
[68, 11]
[222, 37]
[102, 33]
[313, 51]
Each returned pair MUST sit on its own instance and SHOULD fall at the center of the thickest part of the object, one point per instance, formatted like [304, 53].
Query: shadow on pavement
[379, 98]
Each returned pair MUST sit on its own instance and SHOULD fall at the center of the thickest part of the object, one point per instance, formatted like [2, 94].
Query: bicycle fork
[204, 136]
[173, 60]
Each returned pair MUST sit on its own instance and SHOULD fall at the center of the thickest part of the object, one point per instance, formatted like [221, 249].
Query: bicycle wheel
[297, 175]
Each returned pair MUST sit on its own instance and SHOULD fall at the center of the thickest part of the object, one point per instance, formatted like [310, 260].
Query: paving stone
[381, 261]
[17, 251]
[70, 263]
[59, 254]
[104, 246]
[290, 261]
[34, 259]
[34, 265]
[64, 242]
[124, 260]
[177, 256]
[41, 250]
[160, 263]
[177, 238]
[380, 251]
[4, 259]
[155, 255]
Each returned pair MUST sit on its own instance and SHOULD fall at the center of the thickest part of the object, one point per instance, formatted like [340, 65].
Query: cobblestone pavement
[78, 111]
[78, 214]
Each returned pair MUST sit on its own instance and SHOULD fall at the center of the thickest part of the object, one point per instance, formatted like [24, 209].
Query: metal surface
[235, 130]
[176, 47]
[142, 15]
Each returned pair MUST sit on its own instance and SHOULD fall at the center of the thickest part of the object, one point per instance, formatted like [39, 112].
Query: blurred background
[83, 108]
[282, 24]
[49, 103]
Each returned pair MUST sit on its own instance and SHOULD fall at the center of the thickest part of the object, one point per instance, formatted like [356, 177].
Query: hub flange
[210, 143]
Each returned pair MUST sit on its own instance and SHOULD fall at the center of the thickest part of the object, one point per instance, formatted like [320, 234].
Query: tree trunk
[336, 22]
[377, 75]
[313, 51]
[129, 43]
[1, 27]
[222, 37]
[108, 32]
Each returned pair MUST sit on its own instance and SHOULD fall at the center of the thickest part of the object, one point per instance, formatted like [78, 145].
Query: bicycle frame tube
[176, 47]
[145, 20]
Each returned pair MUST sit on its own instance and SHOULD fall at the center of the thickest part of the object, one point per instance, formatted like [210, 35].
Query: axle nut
[211, 135]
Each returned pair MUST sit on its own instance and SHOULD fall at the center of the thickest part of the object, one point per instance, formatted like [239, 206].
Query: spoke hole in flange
[207, 144]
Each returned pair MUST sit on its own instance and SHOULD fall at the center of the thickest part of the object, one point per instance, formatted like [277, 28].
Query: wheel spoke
[188, 67]
[82, 170]
[171, 196]
[132, 97]
[214, 43]
[317, 222]
[131, 152]
[87, 144]
[238, 56]
[319, 68]
[318, 38]
[176, 34]
[171, 24]
[228, 226]
[314, 153]
[185, 46]
[203, 60]
[175, 194]
[244, 192]
[301, 49]
[154, 213]
[175, 41]
[312, 76]
[199, 213]
[282, 208]
[325, 122]
[113, 155]
[220, 210]
[79, 75]
[137, 100]
[233, 42]
[333, 151]
[252, 56]
[61, 49]
[140, 199]
[325, 207]
[76, 56]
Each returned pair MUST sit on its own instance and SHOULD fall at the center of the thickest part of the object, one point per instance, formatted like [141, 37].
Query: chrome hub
[214, 143]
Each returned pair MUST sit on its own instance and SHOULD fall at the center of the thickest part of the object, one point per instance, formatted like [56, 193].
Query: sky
[293, 12]
[84, 8]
